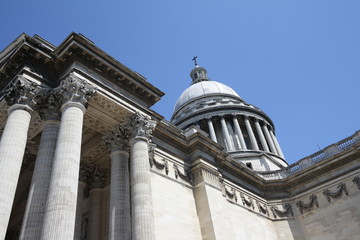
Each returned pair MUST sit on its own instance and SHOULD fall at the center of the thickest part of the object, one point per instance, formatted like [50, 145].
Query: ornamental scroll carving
[247, 202]
[141, 126]
[341, 188]
[75, 89]
[118, 139]
[287, 212]
[262, 208]
[178, 173]
[356, 181]
[304, 206]
[21, 91]
[153, 162]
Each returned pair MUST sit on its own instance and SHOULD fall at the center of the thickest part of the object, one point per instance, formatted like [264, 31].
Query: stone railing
[306, 162]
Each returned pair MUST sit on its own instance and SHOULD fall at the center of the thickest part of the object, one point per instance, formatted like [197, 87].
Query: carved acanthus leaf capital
[94, 176]
[21, 91]
[141, 126]
[49, 105]
[75, 89]
[118, 138]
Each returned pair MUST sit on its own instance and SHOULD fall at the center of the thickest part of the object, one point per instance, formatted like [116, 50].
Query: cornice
[75, 48]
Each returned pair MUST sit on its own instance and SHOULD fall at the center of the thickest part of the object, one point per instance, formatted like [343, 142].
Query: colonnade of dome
[238, 132]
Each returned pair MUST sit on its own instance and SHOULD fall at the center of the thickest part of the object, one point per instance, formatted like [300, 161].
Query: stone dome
[204, 88]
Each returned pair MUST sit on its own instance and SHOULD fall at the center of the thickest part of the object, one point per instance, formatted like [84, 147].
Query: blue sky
[296, 60]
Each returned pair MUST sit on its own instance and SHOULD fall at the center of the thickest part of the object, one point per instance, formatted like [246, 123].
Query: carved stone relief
[309, 205]
[356, 181]
[153, 162]
[247, 202]
[341, 188]
[178, 173]
[262, 208]
[286, 212]
[230, 194]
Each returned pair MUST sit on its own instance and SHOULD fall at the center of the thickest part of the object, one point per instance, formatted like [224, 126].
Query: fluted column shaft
[35, 206]
[12, 149]
[60, 211]
[261, 135]
[226, 134]
[212, 130]
[20, 97]
[142, 207]
[59, 221]
[276, 144]
[119, 214]
[79, 210]
[251, 133]
[49, 111]
[269, 139]
[143, 227]
[239, 133]
[95, 215]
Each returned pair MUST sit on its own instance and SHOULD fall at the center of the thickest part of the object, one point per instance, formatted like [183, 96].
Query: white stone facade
[82, 156]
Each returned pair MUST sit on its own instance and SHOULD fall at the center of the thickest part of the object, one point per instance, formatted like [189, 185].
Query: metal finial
[195, 60]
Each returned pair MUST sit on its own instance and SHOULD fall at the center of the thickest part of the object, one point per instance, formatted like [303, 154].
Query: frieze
[247, 202]
[309, 205]
[356, 181]
[286, 212]
[178, 173]
[230, 194]
[159, 165]
[341, 188]
[153, 162]
[262, 208]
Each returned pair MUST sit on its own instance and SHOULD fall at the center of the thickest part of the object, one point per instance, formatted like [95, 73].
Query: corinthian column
[276, 144]
[49, 110]
[239, 132]
[261, 135]
[269, 139]
[59, 220]
[13, 141]
[225, 131]
[251, 133]
[141, 196]
[119, 214]
[211, 130]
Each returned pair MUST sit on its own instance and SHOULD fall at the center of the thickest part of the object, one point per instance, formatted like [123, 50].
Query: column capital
[141, 126]
[75, 89]
[49, 105]
[118, 139]
[93, 175]
[21, 92]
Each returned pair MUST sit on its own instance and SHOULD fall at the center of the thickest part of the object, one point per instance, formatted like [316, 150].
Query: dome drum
[244, 130]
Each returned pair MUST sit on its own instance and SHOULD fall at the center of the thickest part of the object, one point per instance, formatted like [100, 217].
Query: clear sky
[299, 61]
